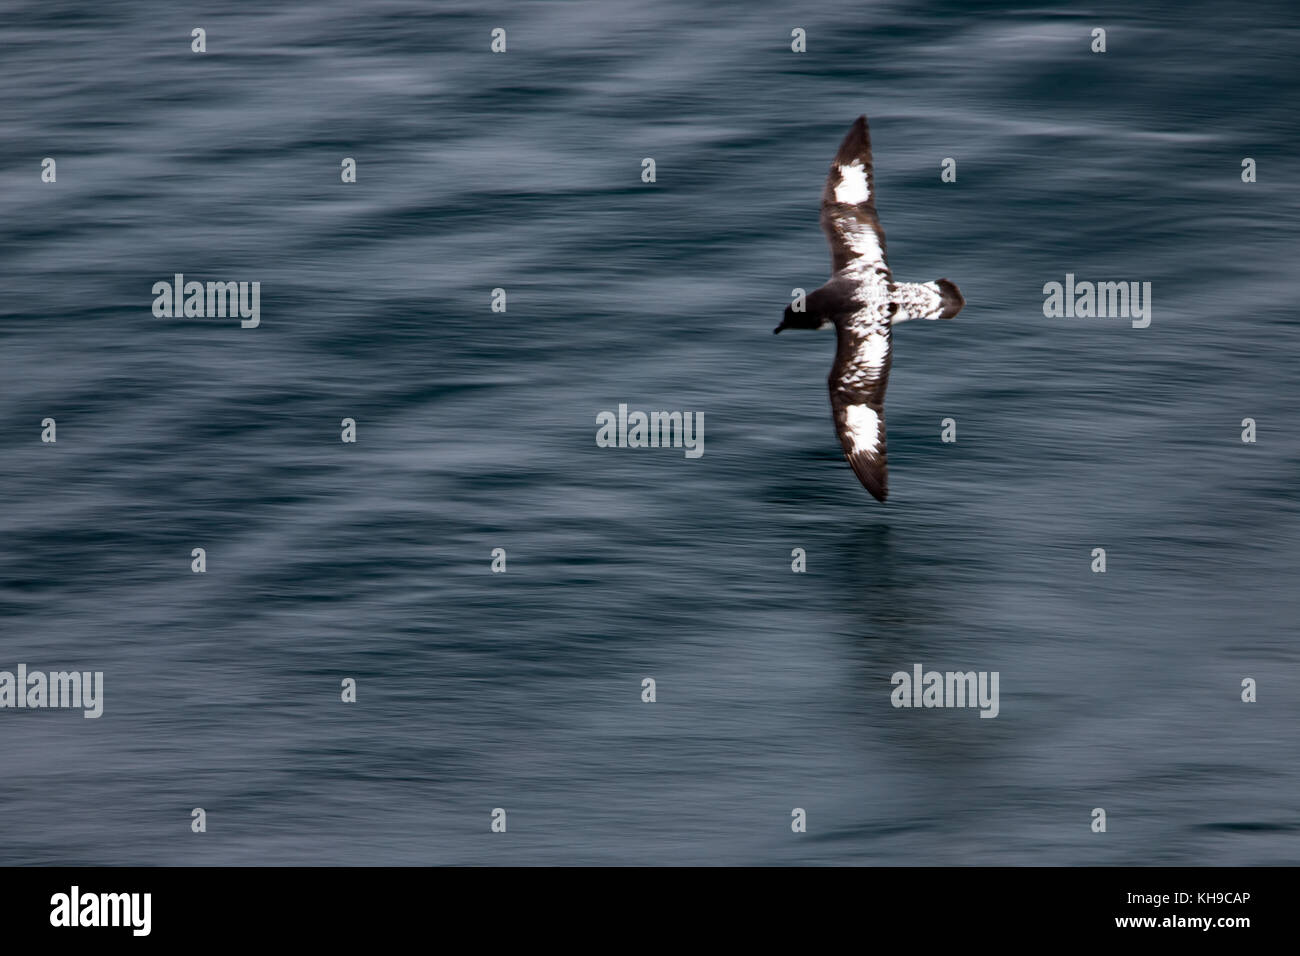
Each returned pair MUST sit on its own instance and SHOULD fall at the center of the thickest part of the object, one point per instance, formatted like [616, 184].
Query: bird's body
[863, 302]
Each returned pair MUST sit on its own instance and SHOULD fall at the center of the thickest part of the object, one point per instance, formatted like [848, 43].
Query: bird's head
[785, 321]
[791, 319]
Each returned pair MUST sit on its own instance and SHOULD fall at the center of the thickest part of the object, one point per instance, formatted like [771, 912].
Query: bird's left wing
[857, 385]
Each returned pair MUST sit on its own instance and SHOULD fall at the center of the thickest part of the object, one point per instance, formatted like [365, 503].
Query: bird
[863, 302]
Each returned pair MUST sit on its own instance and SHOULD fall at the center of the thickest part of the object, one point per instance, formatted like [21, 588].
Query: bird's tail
[939, 299]
[951, 298]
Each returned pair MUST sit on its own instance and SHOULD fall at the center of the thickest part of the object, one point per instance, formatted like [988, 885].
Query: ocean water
[476, 431]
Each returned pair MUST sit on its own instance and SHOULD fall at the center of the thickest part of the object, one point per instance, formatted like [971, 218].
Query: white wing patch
[864, 428]
[867, 366]
[852, 187]
[865, 245]
[873, 351]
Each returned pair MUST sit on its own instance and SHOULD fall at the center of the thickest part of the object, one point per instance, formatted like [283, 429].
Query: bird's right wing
[849, 206]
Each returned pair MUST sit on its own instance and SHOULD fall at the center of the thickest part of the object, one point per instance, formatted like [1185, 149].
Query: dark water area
[476, 431]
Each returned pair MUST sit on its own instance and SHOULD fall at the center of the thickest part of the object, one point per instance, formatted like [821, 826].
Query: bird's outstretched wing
[849, 207]
[857, 385]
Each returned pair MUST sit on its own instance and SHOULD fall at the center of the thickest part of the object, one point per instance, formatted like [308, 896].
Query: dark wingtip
[856, 141]
[874, 479]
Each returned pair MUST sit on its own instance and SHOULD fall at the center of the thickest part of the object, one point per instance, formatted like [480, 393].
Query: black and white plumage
[863, 302]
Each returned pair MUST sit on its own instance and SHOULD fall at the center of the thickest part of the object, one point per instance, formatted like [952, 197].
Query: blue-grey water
[476, 431]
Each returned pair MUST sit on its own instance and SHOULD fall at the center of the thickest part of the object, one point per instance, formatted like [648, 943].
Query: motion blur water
[476, 431]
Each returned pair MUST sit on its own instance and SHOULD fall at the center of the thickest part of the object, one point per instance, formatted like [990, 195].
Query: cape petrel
[863, 302]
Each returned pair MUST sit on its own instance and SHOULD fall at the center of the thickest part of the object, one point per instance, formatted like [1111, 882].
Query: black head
[785, 321]
[806, 319]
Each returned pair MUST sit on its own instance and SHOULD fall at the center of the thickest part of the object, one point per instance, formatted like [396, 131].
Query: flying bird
[863, 302]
